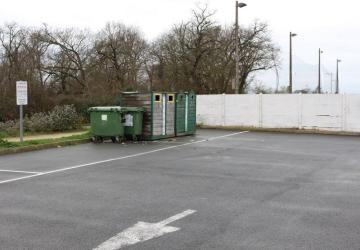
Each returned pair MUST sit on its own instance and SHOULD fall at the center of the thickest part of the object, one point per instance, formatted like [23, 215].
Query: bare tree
[12, 39]
[199, 55]
[257, 52]
[181, 53]
[36, 50]
[120, 54]
[68, 55]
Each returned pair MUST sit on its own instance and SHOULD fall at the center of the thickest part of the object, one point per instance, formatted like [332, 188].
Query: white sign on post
[21, 100]
[21, 93]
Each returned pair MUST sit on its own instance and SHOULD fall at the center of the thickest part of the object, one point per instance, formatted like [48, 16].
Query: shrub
[63, 118]
[60, 118]
[9, 128]
[39, 122]
[2, 127]
[3, 142]
[2, 135]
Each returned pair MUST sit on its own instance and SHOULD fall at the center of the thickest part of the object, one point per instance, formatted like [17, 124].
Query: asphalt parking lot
[215, 190]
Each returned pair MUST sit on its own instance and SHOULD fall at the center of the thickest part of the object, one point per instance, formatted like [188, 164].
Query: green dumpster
[106, 122]
[133, 122]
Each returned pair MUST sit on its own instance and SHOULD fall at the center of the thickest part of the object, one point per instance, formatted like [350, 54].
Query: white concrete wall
[323, 112]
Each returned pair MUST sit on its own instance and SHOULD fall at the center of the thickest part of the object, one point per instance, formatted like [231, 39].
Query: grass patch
[6, 144]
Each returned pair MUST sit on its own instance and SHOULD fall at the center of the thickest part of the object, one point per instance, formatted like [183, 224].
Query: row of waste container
[116, 123]
[147, 116]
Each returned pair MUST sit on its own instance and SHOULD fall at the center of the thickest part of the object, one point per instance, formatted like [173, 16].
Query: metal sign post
[21, 100]
[21, 123]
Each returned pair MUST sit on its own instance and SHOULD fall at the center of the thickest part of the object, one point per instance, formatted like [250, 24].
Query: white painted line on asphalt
[120, 158]
[18, 179]
[19, 171]
[142, 231]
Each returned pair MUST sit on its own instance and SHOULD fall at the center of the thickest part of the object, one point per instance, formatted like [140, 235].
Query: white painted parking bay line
[120, 158]
[19, 171]
[142, 231]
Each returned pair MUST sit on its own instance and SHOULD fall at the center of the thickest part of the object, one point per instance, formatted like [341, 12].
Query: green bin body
[133, 122]
[106, 122]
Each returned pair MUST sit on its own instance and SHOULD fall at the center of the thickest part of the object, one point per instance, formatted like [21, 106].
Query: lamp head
[242, 5]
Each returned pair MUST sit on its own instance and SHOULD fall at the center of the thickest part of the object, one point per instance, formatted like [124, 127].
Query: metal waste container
[185, 113]
[106, 122]
[133, 122]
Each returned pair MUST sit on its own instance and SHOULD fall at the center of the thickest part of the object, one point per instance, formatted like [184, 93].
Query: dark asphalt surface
[251, 191]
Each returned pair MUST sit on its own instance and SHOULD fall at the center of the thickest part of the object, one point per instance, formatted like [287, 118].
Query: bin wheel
[115, 139]
[97, 139]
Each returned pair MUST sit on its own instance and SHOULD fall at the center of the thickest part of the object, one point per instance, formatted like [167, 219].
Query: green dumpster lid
[109, 108]
[132, 109]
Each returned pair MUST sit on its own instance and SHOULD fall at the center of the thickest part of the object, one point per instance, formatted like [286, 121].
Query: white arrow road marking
[142, 231]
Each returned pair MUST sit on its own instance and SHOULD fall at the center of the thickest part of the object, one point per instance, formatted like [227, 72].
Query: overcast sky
[332, 25]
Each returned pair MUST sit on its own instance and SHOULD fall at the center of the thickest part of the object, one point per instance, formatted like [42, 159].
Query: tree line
[74, 66]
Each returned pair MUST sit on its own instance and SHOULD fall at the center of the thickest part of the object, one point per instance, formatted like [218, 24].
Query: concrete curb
[42, 146]
[283, 130]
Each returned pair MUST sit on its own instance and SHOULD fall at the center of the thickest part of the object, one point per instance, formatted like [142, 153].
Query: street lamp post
[319, 80]
[290, 62]
[337, 76]
[237, 57]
